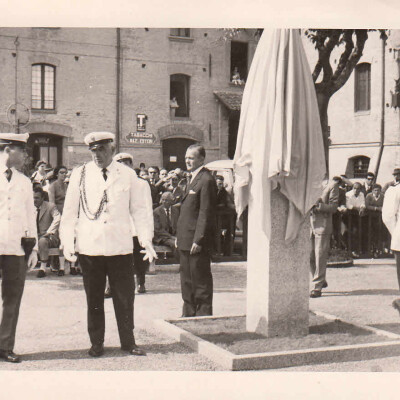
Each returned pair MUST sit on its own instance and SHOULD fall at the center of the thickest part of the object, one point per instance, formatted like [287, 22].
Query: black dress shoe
[96, 350]
[73, 271]
[61, 272]
[325, 285]
[134, 350]
[315, 293]
[9, 356]
[41, 273]
[141, 289]
[396, 305]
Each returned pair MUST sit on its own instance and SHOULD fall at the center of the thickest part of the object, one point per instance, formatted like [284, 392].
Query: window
[362, 89]
[179, 95]
[43, 87]
[239, 54]
[180, 32]
[357, 167]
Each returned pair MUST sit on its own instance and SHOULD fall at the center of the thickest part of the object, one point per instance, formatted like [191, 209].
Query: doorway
[45, 147]
[174, 151]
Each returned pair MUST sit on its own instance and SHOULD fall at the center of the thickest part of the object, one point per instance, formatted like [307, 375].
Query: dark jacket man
[196, 235]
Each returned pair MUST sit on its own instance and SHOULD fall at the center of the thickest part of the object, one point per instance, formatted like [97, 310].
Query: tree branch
[361, 37]
[349, 46]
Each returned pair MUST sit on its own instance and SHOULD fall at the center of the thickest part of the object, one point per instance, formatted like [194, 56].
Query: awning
[230, 99]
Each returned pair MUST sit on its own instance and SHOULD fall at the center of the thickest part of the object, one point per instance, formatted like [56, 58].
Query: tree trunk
[323, 102]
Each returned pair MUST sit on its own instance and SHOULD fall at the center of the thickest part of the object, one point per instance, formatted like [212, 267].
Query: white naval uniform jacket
[391, 215]
[111, 234]
[17, 212]
[148, 202]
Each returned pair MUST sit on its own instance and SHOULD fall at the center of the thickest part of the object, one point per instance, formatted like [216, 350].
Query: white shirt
[17, 212]
[110, 234]
[352, 201]
[391, 214]
[195, 172]
[148, 202]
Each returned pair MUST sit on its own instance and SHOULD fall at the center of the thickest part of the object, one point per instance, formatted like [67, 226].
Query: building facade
[159, 90]
[364, 115]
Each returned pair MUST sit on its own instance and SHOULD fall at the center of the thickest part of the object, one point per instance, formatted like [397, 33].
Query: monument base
[277, 274]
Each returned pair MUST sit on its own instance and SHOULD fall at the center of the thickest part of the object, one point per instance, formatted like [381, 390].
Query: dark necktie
[104, 170]
[168, 220]
[8, 173]
[37, 218]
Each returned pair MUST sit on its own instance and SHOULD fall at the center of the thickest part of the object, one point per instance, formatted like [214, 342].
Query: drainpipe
[118, 105]
[382, 138]
[16, 43]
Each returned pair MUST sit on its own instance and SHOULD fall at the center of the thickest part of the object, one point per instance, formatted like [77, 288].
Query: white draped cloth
[279, 138]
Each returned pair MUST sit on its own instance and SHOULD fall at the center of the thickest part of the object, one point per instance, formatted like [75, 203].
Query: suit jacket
[110, 233]
[196, 223]
[321, 217]
[49, 219]
[178, 193]
[161, 226]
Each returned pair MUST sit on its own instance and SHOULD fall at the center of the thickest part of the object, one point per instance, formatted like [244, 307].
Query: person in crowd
[355, 199]
[339, 225]
[196, 235]
[390, 217]
[165, 222]
[142, 166]
[355, 203]
[374, 204]
[17, 221]
[154, 185]
[368, 183]
[40, 175]
[394, 182]
[139, 265]
[144, 174]
[163, 173]
[47, 221]
[175, 189]
[102, 198]
[58, 188]
[226, 214]
[321, 231]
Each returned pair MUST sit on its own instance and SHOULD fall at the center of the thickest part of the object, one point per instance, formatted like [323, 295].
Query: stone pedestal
[277, 275]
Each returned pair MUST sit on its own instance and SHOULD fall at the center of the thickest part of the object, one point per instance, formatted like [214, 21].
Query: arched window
[179, 94]
[357, 167]
[43, 87]
[362, 88]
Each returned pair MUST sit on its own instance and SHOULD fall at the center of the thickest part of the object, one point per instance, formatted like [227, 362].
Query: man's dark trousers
[12, 287]
[196, 283]
[120, 275]
[139, 265]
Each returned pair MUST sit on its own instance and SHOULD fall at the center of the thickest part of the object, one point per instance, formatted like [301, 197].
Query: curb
[282, 359]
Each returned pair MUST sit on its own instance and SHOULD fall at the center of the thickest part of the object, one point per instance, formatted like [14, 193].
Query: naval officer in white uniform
[102, 198]
[17, 220]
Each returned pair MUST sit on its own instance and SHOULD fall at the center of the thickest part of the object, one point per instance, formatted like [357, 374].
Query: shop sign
[141, 138]
[141, 122]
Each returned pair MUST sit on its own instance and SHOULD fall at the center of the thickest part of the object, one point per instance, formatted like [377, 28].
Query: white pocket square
[192, 191]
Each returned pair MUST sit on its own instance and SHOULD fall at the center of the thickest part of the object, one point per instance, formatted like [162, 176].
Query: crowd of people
[351, 213]
[167, 189]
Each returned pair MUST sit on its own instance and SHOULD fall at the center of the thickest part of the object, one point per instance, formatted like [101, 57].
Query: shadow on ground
[363, 292]
[109, 352]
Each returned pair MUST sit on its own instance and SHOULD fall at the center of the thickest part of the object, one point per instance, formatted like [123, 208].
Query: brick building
[159, 90]
[362, 108]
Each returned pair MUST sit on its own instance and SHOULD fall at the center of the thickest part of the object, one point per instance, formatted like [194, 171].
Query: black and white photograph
[205, 201]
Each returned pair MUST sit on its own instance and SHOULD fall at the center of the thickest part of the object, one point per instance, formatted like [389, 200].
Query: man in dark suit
[48, 222]
[165, 221]
[196, 235]
[321, 231]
